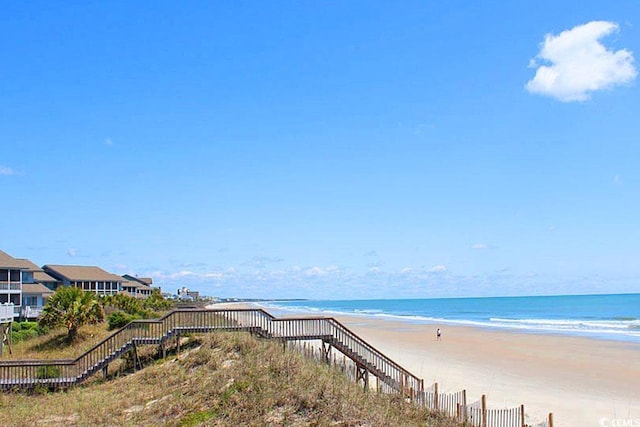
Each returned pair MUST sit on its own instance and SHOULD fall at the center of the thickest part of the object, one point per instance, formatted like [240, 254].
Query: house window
[15, 275]
[4, 275]
[100, 286]
[15, 299]
[4, 298]
[31, 301]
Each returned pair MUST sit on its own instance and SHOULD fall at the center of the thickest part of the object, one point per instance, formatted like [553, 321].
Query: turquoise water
[598, 316]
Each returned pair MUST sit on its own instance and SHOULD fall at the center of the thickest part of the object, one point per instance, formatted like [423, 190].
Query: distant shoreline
[610, 317]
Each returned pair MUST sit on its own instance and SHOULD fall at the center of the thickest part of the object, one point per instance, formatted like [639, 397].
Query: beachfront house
[88, 278]
[34, 297]
[37, 286]
[139, 287]
[187, 294]
[11, 271]
[130, 288]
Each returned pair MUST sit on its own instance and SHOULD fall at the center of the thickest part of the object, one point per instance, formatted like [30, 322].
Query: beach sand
[582, 381]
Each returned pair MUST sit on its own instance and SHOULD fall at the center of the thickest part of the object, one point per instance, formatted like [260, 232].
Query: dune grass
[219, 379]
[55, 345]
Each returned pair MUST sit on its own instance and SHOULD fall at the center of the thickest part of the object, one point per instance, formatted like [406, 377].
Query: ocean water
[613, 317]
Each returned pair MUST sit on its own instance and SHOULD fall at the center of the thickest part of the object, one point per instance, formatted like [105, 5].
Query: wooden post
[326, 352]
[484, 411]
[177, 342]
[522, 416]
[464, 405]
[105, 370]
[135, 357]
[550, 419]
[435, 396]
[7, 332]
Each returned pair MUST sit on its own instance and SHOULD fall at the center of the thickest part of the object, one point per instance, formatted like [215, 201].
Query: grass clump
[221, 379]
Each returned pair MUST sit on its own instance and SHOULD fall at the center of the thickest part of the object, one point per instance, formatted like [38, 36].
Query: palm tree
[71, 307]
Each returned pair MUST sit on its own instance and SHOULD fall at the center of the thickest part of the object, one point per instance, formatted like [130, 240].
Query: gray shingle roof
[7, 261]
[77, 273]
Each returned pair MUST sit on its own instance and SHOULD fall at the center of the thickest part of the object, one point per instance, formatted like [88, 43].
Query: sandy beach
[582, 381]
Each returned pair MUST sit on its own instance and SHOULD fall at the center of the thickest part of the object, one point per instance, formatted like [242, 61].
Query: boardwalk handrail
[67, 372]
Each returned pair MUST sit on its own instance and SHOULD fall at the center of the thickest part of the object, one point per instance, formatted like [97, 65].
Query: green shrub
[23, 331]
[156, 302]
[119, 319]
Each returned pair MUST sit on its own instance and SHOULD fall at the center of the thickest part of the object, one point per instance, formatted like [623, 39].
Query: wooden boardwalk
[27, 374]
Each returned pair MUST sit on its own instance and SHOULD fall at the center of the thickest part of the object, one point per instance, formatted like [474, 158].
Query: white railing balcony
[31, 311]
[6, 312]
[10, 286]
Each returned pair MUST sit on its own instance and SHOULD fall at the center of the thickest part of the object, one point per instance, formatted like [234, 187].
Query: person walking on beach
[438, 335]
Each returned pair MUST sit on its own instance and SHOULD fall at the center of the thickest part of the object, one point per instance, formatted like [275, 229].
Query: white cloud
[575, 63]
[374, 270]
[320, 271]
[438, 269]
[72, 252]
[108, 141]
[6, 171]
[480, 246]
[617, 180]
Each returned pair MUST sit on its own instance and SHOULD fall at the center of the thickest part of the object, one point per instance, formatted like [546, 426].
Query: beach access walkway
[367, 362]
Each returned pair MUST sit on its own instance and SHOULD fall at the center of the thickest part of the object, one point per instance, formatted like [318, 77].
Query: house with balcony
[139, 287]
[34, 297]
[37, 286]
[11, 271]
[88, 278]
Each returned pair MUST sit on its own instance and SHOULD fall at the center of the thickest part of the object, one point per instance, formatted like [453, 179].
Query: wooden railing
[65, 373]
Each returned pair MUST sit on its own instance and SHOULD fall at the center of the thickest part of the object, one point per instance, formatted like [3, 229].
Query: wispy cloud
[438, 269]
[72, 252]
[262, 261]
[617, 180]
[6, 171]
[108, 142]
[573, 64]
[480, 246]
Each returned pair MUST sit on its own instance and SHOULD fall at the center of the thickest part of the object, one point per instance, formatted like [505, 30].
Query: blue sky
[326, 150]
